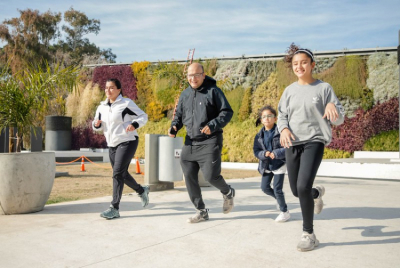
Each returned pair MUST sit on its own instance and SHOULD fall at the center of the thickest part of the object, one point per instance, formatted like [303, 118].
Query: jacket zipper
[193, 108]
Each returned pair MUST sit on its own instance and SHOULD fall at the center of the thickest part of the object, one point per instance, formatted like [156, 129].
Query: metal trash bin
[169, 154]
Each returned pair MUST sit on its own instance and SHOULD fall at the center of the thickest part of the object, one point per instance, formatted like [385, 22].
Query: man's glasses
[194, 75]
[268, 116]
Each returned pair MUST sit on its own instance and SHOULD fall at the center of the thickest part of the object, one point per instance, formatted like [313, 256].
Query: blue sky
[163, 30]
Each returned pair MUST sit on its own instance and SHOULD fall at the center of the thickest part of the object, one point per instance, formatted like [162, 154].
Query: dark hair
[116, 82]
[265, 108]
[293, 50]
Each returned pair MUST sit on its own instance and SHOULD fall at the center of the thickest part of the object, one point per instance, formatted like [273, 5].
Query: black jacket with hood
[206, 105]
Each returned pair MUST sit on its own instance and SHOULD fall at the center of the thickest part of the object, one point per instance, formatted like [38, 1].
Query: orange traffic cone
[83, 165]
[137, 166]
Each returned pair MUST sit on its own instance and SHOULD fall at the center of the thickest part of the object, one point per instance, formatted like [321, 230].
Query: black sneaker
[201, 215]
[228, 201]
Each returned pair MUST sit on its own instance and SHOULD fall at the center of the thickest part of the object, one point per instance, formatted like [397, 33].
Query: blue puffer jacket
[259, 149]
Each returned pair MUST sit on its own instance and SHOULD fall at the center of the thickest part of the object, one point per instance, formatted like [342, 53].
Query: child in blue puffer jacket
[267, 148]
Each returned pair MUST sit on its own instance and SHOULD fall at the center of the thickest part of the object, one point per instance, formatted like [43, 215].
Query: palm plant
[24, 96]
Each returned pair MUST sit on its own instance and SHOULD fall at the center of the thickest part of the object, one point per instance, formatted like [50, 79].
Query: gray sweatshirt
[301, 109]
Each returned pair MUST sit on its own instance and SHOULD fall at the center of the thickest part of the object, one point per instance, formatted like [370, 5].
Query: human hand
[97, 123]
[172, 132]
[286, 138]
[130, 128]
[330, 112]
[206, 130]
[267, 153]
[272, 155]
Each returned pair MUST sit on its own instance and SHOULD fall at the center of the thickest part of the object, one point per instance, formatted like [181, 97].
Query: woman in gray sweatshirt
[307, 109]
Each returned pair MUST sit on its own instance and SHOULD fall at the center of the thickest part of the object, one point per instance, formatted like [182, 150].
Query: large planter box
[26, 180]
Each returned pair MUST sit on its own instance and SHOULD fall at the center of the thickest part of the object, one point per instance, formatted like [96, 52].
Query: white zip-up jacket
[115, 118]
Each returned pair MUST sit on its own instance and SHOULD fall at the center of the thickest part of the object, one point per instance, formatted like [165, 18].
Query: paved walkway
[359, 227]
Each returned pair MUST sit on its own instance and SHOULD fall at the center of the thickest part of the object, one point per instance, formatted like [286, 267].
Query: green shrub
[235, 98]
[143, 81]
[167, 83]
[336, 154]
[386, 141]
[210, 67]
[268, 93]
[284, 75]
[245, 107]
[238, 141]
[347, 76]
[260, 71]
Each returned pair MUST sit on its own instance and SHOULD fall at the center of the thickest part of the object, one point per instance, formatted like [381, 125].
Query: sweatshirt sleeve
[139, 118]
[283, 121]
[177, 120]
[332, 98]
[97, 116]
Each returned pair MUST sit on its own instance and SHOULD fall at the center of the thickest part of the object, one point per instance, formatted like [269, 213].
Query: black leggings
[120, 158]
[302, 163]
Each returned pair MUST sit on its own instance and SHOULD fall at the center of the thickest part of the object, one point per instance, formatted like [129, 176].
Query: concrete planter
[26, 180]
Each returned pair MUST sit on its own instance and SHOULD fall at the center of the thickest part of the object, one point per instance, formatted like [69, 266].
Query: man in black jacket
[204, 110]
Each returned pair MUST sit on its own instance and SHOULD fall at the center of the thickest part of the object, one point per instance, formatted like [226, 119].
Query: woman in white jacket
[118, 118]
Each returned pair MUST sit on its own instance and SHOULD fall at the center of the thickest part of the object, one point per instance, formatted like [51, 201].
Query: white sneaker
[308, 242]
[283, 216]
[318, 203]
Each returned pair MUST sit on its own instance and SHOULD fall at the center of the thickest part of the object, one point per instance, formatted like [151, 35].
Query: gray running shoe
[110, 213]
[201, 215]
[307, 242]
[318, 203]
[145, 196]
[228, 201]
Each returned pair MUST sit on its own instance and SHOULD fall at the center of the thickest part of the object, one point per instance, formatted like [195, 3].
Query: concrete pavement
[359, 227]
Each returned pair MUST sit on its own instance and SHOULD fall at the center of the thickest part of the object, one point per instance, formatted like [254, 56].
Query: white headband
[305, 51]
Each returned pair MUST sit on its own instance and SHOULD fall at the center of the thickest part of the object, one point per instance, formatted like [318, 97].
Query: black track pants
[120, 158]
[302, 163]
[206, 157]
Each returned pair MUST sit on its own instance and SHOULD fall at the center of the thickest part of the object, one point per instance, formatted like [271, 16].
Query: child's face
[302, 66]
[268, 119]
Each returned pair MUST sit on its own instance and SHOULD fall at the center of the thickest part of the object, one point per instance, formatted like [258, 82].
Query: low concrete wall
[366, 154]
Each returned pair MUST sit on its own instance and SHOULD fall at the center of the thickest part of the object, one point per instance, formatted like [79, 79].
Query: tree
[28, 37]
[76, 44]
[35, 36]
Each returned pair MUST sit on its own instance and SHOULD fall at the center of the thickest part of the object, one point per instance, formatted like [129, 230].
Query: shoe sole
[285, 220]
[304, 249]
[188, 221]
[109, 218]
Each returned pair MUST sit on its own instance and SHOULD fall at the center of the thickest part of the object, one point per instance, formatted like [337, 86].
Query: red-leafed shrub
[122, 73]
[354, 132]
[85, 137]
